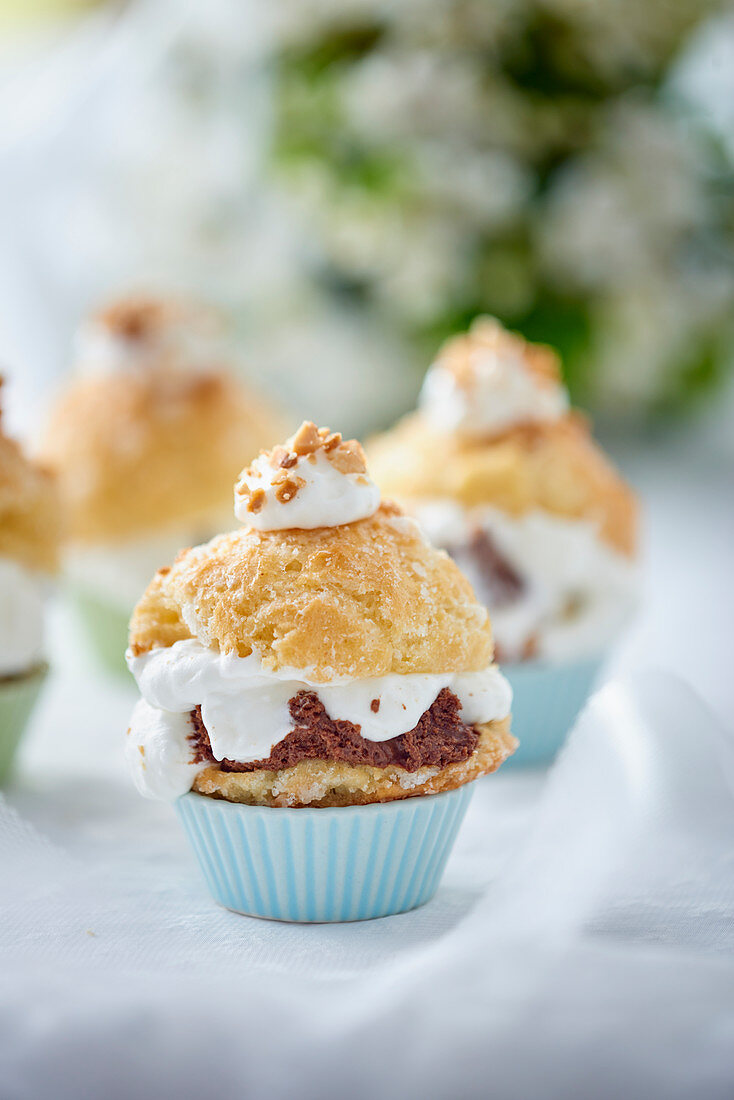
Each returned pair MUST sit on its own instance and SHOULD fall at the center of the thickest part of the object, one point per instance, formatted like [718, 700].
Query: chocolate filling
[495, 582]
[440, 738]
[501, 585]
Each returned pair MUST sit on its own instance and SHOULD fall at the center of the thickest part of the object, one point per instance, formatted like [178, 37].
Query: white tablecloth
[580, 945]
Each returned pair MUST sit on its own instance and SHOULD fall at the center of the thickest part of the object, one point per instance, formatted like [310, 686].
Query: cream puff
[143, 440]
[318, 691]
[502, 473]
[323, 654]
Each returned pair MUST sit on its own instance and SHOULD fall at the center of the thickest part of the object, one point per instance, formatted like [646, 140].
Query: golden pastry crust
[363, 599]
[554, 466]
[323, 783]
[142, 450]
[30, 509]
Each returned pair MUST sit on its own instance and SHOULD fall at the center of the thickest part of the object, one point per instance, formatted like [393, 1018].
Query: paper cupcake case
[17, 699]
[319, 865]
[545, 704]
[106, 627]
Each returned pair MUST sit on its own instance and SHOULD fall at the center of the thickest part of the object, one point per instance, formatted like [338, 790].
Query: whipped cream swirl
[315, 480]
[137, 332]
[244, 707]
[488, 381]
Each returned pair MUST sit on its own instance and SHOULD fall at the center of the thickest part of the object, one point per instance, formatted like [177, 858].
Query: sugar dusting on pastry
[363, 599]
[490, 380]
[316, 480]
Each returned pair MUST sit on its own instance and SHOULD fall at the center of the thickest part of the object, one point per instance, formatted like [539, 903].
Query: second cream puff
[143, 440]
[505, 476]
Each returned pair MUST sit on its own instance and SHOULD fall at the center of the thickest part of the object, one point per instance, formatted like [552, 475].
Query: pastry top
[140, 317]
[140, 450]
[554, 467]
[359, 599]
[494, 428]
[30, 510]
[136, 331]
[316, 479]
[488, 342]
[489, 380]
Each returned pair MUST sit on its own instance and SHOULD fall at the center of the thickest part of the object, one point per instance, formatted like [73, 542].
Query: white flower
[619, 209]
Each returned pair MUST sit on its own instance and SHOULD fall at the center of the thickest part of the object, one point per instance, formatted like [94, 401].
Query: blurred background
[353, 181]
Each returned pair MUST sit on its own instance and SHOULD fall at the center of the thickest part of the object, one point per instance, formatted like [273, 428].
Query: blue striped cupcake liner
[546, 700]
[317, 865]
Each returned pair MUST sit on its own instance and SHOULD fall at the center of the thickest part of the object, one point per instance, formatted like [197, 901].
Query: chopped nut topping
[375, 706]
[282, 457]
[306, 439]
[346, 456]
[349, 458]
[257, 500]
[486, 335]
[137, 318]
[288, 489]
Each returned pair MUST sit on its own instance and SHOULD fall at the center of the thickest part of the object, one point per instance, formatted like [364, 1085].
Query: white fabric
[600, 924]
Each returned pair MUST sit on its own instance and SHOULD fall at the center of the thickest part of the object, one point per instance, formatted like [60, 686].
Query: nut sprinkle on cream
[490, 381]
[316, 479]
[140, 332]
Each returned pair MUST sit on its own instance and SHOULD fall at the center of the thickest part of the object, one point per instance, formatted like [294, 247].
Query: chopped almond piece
[257, 500]
[306, 438]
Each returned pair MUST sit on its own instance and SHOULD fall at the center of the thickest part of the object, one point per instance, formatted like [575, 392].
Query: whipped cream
[158, 752]
[97, 350]
[21, 618]
[316, 480]
[244, 706]
[133, 334]
[577, 591]
[483, 384]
